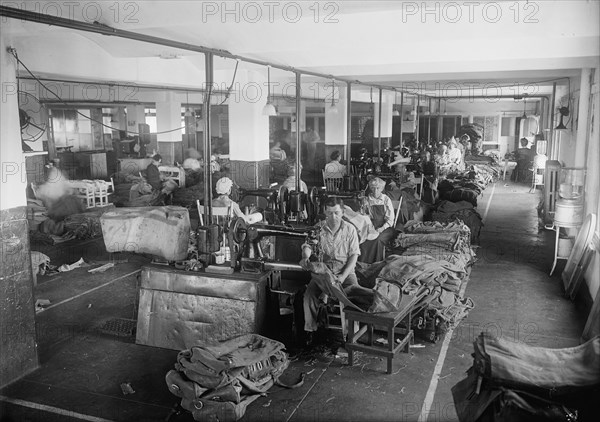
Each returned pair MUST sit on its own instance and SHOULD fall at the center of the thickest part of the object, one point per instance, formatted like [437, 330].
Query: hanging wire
[19, 92]
[228, 93]
[15, 55]
[332, 93]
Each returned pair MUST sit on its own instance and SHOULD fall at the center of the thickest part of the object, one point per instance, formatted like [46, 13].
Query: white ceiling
[493, 48]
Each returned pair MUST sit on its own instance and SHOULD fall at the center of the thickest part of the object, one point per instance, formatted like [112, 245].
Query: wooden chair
[337, 320]
[397, 205]
[397, 210]
[419, 186]
[174, 173]
[332, 184]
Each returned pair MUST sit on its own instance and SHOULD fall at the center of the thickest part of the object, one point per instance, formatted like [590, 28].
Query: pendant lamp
[269, 108]
[187, 113]
[333, 108]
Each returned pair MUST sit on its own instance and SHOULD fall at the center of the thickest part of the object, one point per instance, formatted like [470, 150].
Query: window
[505, 129]
[150, 114]
[81, 129]
[490, 128]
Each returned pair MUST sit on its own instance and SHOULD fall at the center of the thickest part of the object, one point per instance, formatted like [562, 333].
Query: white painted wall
[14, 176]
[248, 127]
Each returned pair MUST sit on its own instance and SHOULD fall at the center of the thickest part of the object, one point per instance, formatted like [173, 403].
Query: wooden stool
[388, 320]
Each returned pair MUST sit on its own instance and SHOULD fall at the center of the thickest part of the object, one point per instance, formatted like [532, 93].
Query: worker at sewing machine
[223, 188]
[338, 242]
[381, 211]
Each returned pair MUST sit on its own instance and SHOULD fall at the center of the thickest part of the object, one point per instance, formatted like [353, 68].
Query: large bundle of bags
[514, 382]
[161, 231]
[463, 211]
[217, 381]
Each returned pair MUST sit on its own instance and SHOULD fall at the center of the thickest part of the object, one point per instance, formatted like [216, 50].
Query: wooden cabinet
[92, 165]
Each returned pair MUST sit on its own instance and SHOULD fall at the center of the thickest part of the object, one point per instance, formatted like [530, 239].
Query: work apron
[374, 250]
[377, 213]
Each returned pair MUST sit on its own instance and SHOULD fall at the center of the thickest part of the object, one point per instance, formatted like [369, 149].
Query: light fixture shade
[395, 113]
[269, 109]
[561, 125]
[333, 108]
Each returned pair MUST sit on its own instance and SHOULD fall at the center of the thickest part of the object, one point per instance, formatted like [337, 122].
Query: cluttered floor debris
[91, 369]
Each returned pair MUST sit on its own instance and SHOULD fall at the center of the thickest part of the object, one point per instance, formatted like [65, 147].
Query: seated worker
[465, 141]
[477, 146]
[276, 153]
[428, 166]
[161, 190]
[290, 182]
[455, 156]
[223, 188]
[153, 174]
[524, 157]
[340, 250]
[441, 160]
[381, 211]
[335, 169]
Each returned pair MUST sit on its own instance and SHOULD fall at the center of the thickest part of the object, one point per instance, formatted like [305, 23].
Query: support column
[249, 132]
[581, 144]
[336, 127]
[387, 104]
[17, 337]
[168, 117]
[135, 115]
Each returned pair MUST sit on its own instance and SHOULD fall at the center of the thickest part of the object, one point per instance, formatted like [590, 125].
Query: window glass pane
[505, 130]
[84, 123]
[70, 121]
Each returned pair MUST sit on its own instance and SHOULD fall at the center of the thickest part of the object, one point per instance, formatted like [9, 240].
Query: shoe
[308, 338]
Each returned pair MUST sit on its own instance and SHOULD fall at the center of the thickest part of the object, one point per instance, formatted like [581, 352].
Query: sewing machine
[317, 198]
[246, 251]
[283, 206]
[275, 211]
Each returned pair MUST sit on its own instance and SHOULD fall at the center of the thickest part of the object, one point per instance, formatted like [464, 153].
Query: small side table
[388, 320]
[557, 230]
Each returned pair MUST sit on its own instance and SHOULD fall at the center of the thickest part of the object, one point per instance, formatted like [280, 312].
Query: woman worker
[223, 188]
[455, 156]
[335, 169]
[381, 212]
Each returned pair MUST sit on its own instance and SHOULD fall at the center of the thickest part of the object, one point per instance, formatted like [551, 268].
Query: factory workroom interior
[300, 211]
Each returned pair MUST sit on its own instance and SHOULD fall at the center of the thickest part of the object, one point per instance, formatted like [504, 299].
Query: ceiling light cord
[13, 51]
